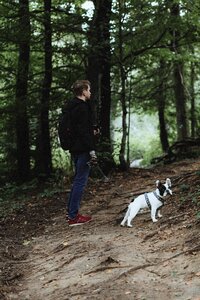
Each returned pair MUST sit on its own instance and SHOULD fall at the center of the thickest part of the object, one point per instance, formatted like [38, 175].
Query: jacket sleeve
[83, 126]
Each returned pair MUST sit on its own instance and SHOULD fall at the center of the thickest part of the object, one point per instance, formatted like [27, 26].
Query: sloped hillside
[43, 258]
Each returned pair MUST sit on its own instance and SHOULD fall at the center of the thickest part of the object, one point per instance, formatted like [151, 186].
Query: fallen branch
[13, 277]
[176, 217]
[135, 269]
[150, 235]
[103, 268]
[3, 296]
[60, 247]
[195, 248]
[62, 265]
[188, 251]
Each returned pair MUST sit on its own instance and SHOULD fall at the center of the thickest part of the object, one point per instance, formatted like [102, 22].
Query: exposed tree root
[169, 222]
[103, 268]
[11, 278]
[135, 269]
[131, 270]
[62, 265]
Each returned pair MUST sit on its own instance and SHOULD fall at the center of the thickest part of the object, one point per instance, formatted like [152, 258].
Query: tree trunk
[99, 69]
[180, 97]
[192, 110]
[22, 125]
[122, 159]
[129, 124]
[182, 131]
[43, 156]
[161, 109]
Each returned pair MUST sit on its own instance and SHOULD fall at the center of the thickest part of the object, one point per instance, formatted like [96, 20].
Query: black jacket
[81, 120]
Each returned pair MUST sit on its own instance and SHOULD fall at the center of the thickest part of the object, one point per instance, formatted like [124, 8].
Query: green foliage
[49, 192]
[14, 197]
[190, 198]
[144, 141]
[145, 41]
[61, 159]
[151, 151]
[184, 187]
[183, 200]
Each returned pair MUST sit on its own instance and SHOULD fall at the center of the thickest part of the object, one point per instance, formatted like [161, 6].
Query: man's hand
[96, 130]
[93, 160]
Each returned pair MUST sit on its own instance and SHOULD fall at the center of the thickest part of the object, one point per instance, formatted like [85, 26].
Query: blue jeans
[82, 171]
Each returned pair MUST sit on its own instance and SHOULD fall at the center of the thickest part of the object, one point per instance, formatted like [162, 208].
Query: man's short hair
[79, 86]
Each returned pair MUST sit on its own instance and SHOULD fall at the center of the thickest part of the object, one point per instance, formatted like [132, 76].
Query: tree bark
[182, 131]
[22, 124]
[161, 109]
[43, 156]
[180, 97]
[192, 110]
[129, 124]
[99, 69]
[122, 159]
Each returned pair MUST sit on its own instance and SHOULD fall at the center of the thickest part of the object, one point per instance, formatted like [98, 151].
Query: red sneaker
[79, 220]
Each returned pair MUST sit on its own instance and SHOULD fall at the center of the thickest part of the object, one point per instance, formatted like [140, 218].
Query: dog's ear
[158, 183]
[168, 182]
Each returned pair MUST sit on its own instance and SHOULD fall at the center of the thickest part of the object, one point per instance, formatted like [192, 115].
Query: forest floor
[41, 258]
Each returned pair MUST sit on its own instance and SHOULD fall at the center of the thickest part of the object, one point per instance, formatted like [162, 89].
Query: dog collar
[160, 198]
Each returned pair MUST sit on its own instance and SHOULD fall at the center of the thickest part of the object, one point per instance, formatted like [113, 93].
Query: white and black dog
[153, 200]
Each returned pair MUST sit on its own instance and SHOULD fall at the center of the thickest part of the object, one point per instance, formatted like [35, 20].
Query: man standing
[82, 148]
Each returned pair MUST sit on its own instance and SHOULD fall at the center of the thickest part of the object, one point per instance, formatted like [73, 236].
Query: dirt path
[102, 260]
